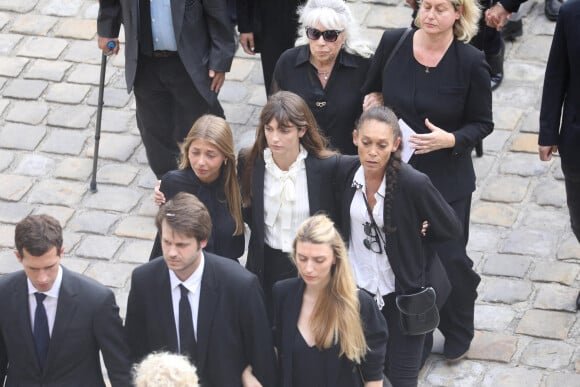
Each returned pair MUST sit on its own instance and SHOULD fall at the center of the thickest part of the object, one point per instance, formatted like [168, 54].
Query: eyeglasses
[328, 35]
[373, 241]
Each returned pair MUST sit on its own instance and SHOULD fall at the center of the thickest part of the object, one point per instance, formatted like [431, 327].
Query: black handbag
[418, 313]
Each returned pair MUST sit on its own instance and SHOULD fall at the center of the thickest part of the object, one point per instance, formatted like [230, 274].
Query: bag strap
[398, 45]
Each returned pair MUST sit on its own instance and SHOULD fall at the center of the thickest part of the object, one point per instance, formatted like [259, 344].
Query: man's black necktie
[41, 334]
[187, 343]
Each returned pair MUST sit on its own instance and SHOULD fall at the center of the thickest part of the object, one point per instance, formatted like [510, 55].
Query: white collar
[359, 182]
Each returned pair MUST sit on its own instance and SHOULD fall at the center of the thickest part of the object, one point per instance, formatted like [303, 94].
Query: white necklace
[324, 74]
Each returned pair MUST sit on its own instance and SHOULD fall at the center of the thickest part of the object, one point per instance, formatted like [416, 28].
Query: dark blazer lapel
[290, 316]
[258, 199]
[21, 309]
[177, 14]
[313, 181]
[208, 301]
[348, 195]
[164, 302]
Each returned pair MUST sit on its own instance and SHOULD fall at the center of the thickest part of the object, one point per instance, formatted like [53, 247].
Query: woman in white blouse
[286, 176]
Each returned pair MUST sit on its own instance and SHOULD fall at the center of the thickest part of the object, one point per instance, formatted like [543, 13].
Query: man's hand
[248, 378]
[247, 42]
[496, 16]
[546, 151]
[217, 80]
[429, 142]
[102, 42]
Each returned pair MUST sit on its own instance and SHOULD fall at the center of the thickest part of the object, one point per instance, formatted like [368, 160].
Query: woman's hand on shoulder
[429, 142]
[158, 196]
[372, 100]
[248, 378]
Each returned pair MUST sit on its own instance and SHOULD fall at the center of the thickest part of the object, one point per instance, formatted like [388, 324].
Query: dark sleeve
[109, 18]
[3, 359]
[374, 79]
[108, 330]
[136, 322]
[245, 13]
[511, 5]
[556, 83]
[376, 335]
[256, 330]
[477, 114]
[222, 48]
[169, 186]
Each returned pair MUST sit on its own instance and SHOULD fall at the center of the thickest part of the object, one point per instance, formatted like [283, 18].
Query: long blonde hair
[336, 314]
[216, 131]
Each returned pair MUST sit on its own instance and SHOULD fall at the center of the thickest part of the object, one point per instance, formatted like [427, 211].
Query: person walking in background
[327, 69]
[55, 323]
[560, 109]
[176, 57]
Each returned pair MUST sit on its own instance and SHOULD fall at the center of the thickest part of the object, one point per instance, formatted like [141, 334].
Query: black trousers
[168, 104]
[457, 313]
[572, 181]
[277, 266]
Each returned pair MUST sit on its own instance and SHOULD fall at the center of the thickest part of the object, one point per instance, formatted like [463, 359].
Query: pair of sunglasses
[373, 241]
[328, 35]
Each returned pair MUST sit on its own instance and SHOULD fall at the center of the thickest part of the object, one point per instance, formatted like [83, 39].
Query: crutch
[93, 185]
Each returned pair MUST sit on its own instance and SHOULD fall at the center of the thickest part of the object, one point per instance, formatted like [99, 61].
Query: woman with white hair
[327, 69]
[164, 369]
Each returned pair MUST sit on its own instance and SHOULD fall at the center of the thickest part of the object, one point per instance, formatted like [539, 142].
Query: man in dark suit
[199, 304]
[560, 111]
[54, 322]
[176, 56]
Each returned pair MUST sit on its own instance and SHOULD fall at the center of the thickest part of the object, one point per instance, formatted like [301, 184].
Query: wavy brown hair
[216, 131]
[288, 109]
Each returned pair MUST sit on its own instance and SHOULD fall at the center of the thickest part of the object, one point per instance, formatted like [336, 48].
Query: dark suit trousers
[168, 104]
[457, 313]
[572, 181]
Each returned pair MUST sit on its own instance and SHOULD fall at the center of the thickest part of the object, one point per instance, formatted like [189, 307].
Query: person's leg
[403, 360]
[572, 182]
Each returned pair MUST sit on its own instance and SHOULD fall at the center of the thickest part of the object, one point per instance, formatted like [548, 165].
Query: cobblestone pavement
[521, 243]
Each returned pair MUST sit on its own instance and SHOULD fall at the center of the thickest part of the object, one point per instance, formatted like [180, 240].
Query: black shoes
[496, 65]
[551, 9]
[512, 30]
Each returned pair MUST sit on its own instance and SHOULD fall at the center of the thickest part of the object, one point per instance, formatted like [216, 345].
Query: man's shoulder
[7, 281]
[228, 271]
[150, 268]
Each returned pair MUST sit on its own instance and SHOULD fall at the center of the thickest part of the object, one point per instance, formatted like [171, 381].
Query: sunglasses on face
[328, 35]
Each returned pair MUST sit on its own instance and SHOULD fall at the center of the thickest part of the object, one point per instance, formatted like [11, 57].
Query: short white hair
[164, 369]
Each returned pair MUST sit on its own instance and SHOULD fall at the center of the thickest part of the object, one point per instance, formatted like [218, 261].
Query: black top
[455, 96]
[339, 104]
[222, 241]
[308, 364]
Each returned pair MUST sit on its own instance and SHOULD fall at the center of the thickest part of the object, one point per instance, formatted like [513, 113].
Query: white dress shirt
[372, 271]
[162, 26]
[50, 302]
[193, 284]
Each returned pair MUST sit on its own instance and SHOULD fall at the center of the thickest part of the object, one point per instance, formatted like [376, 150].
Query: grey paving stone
[556, 170]
[562, 379]
[569, 249]
[257, 96]
[7, 44]
[535, 48]
[516, 95]
[136, 251]
[71, 240]
[99, 247]
[94, 222]
[76, 29]
[483, 165]
[507, 265]
[74, 168]
[60, 213]
[4, 19]
[506, 189]
[3, 104]
[109, 198]
[17, 6]
[35, 165]
[482, 238]
[462, 374]
[61, 8]
[541, 218]
[115, 146]
[512, 377]
[525, 142]
[137, 227]
[237, 113]
[6, 158]
[119, 174]
[148, 207]
[18, 136]
[50, 70]
[25, 89]
[529, 242]
[496, 141]
[114, 275]
[31, 24]
[560, 272]
[534, 323]
[111, 97]
[240, 70]
[547, 354]
[523, 164]
[7, 235]
[89, 74]
[60, 192]
[75, 264]
[148, 179]
[63, 141]
[8, 262]
[14, 212]
[41, 47]
[257, 76]
[389, 17]
[492, 346]
[70, 116]
[117, 121]
[83, 52]
[524, 72]
[506, 291]
[506, 117]
[556, 297]
[530, 122]
[550, 193]
[12, 67]
[14, 187]
[494, 214]
[233, 92]
[67, 93]
[493, 317]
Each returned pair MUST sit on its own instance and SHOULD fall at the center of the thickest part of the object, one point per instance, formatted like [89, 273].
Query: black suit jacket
[416, 200]
[341, 371]
[455, 96]
[87, 321]
[561, 95]
[232, 326]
